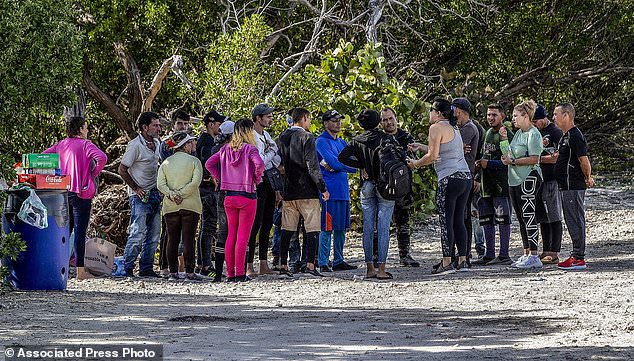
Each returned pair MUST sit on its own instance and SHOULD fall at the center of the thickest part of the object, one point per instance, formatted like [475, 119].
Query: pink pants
[240, 216]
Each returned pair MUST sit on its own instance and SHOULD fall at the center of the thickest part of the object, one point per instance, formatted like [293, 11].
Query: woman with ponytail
[525, 179]
[446, 152]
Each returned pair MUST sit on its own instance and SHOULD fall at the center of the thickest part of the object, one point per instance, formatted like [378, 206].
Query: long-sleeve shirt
[180, 175]
[328, 149]
[267, 149]
[82, 161]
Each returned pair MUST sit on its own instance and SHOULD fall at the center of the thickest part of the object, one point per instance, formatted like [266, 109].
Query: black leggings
[551, 234]
[523, 198]
[181, 225]
[221, 234]
[451, 202]
[309, 247]
[263, 222]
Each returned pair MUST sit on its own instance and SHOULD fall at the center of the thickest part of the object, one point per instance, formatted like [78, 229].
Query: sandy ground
[490, 313]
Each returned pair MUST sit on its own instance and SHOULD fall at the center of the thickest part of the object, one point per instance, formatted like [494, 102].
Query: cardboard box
[43, 181]
[26, 178]
[35, 160]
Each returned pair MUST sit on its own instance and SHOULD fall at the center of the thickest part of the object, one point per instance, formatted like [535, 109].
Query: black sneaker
[500, 261]
[244, 278]
[276, 263]
[284, 273]
[149, 274]
[173, 277]
[408, 261]
[194, 277]
[344, 266]
[325, 269]
[463, 267]
[443, 270]
[482, 261]
[129, 273]
[313, 272]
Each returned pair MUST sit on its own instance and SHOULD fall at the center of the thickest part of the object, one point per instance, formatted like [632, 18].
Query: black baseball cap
[331, 115]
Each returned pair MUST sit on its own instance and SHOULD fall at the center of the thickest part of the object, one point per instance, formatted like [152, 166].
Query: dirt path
[489, 313]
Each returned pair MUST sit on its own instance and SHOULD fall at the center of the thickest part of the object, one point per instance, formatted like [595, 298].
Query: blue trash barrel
[44, 264]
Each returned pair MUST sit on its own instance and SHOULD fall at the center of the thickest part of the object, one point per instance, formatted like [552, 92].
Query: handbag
[274, 177]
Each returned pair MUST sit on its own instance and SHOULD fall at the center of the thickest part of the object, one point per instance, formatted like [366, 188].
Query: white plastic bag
[33, 211]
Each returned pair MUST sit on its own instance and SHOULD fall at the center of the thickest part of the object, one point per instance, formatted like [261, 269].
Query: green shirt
[494, 178]
[525, 144]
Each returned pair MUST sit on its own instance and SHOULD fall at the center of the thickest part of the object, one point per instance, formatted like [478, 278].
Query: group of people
[206, 200]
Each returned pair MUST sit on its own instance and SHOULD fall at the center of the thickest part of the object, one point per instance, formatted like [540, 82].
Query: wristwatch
[513, 161]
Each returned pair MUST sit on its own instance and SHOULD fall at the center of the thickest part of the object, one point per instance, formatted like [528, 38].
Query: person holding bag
[80, 159]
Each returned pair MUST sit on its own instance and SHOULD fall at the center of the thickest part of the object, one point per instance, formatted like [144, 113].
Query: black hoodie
[303, 178]
[360, 152]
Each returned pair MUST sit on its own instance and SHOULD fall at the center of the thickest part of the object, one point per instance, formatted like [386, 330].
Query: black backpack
[394, 180]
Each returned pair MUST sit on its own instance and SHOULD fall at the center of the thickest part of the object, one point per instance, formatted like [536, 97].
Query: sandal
[389, 276]
[366, 277]
[550, 260]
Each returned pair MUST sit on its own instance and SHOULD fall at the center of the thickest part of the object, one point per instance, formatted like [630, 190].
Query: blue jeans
[144, 231]
[377, 213]
[324, 247]
[80, 211]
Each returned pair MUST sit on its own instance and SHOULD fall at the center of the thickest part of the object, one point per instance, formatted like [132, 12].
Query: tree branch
[107, 103]
[135, 87]
[157, 82]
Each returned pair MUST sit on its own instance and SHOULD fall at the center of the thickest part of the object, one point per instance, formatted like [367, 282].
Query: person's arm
[277, 159]
[213, 165]
[349, 156]
[535, 147]
[197, 176]
[433, 148]
[327, 153]
[130, 155]
[52, 149]
[161, 183]
[312, 164]
[98, 156]
[256, 160]
[586, 168]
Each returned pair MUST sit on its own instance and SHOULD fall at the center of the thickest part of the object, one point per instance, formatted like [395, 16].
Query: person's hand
[506, 160]
[416, 147]
[139, 192]
[364, 174]
[482, 163]
[325, 196]
[503, 133]
[178, 200]
[476, 187]
[278, 197]
[590, 182]
[467, 149]
[411, 163]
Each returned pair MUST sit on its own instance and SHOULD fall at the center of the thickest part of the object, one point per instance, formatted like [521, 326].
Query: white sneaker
[532, 261]
[522, 259]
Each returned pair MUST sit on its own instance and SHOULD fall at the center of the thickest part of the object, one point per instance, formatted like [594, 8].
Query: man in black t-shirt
[548, 207]
[574, 174]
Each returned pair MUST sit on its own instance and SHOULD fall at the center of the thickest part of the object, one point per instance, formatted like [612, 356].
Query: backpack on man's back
[394, 180]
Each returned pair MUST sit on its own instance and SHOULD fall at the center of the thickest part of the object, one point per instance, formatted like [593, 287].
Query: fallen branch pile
[111, 215]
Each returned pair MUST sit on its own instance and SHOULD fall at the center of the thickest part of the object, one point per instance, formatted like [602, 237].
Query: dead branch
[135, 86]
[157, 82]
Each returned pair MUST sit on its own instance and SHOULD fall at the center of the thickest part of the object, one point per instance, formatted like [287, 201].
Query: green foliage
[10, 247]
[235, 78]
[40, 63]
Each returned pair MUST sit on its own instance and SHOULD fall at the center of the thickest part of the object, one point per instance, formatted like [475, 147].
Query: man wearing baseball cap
[209, 218]
[335, 212]
[262, 116]
[470, 138]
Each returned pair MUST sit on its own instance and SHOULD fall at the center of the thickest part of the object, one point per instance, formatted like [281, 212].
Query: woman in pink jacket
[80, 159]
[241, 167]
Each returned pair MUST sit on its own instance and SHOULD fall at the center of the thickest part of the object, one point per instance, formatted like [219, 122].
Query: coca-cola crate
[43, 181]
